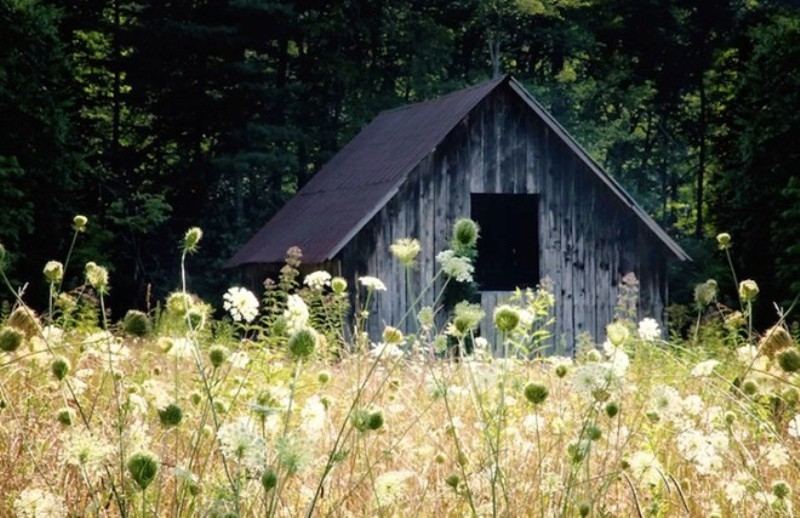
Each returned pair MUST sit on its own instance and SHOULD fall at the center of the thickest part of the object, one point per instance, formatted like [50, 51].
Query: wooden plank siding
[588, 238]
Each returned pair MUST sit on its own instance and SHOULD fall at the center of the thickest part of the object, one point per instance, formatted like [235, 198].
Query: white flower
[392, 486]
[406, 250]
[240, 441]
[777, 456]
[239, 360]
[317, 280]
[85, 450]
[692, 404]
[704, 368]
[666, 402]
[312, 416]
[157, 392]
[595, 376]
[617, 358]
[296, 313]
[386, 351]
[703, 450]
[794, 427]
[645, 467]
[241, 304]
[372, 283]
[38, 503]
[182, 348]
[649, 330]
[735, 491]
[457, 267]
[480, 343]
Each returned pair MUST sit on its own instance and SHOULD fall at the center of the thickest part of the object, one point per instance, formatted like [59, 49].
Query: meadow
[279, 404]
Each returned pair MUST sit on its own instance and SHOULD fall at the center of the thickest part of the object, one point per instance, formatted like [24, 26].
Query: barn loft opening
[508, 249]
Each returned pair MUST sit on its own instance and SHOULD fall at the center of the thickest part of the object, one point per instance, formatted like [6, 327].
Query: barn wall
[588, 238]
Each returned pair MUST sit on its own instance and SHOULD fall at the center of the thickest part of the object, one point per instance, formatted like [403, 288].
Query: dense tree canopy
[150, 117]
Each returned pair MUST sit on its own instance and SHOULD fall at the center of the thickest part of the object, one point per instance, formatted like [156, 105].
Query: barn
[493, 153]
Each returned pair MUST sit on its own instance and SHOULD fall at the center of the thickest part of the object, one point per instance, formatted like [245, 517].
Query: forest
[149, 117]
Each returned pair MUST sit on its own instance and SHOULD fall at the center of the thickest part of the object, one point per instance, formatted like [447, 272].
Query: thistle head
[191, 239]
[536, 393]
[143, 467]
[60, 367]
[171, 415]
[506, 318]
[10, 339]
[302, 343]
[136, 323]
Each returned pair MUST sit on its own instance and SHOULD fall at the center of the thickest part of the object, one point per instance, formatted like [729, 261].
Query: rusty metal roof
[359, 180]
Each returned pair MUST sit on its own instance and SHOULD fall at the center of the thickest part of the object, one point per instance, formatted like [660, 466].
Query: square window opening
[508, 248]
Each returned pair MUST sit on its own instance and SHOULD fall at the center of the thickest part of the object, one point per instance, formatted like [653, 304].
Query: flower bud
[136, 323]
[536, 393]
[269, 479]
[60, 368]
[192, 238]
[789, 360]
[506, 318]
[748, 290]
[171, 415]
[724, 240]
[53, 272]
[617, 333]
[302, 343]
[96, 277]
[66, 416]
[79, 223]
[338, 285]
[392, 335]
[217, 355]
[10, 339]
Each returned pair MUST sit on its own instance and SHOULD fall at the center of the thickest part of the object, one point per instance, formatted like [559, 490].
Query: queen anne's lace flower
[649, 330]
[241, 304]
[240, 442]
[296, 313]
[317, 280]
[794, 427]
[457, 267]
[38, 503]
[392, 486]
[704, 368]
[85, 450]
[645, 468]
[372, 283]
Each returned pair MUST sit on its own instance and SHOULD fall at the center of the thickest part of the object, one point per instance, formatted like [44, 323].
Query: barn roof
[359, 180]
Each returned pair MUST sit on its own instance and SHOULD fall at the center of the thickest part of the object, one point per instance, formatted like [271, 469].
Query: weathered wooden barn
[493, 153]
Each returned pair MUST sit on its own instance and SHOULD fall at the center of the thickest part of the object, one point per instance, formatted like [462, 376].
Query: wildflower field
[279, 404]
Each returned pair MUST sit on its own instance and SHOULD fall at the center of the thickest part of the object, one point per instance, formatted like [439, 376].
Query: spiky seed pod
[24, 319]
[536, 393]
[143, 467]
[789, 360]
[375, 420]
[191, 239]
[65, 416]
[781, 489]
[730, 418]
[750, 387]
[324, 377]
[196, 317]
[465, 235]
[10, 339]
[506, 318]
[53, 272]
[561, 371]
[776, 339]
[269, 479]
[302, 343]
[705, 293]
[339, 285]
[217, 355]
[392, 335]
[594, 433]
[79, 223]
[452, 481]
[584, 509]
[195, 397]
[96, 276]
[748, 290]
[171, 415]
[136, 323]
[612, 409]
[723, 240]
[179, 303]
[60, 368]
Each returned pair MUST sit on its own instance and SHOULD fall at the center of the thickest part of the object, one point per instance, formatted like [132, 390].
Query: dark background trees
[150, 117]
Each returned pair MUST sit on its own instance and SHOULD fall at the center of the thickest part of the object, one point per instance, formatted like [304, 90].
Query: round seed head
[79, 223]
[789, 360]
[536, 393]
[612, 409]
[136, 323]
[269, 479]
[143, 467]
[302, 343]
[723, 240]
[171, 415]
[60, 368]
[217, 355]
[10, 339]
[192, 238]
[53, 272]
[748, 290]
[506, 318]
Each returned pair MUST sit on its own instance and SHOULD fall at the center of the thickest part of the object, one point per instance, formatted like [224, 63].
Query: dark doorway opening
[508, 248]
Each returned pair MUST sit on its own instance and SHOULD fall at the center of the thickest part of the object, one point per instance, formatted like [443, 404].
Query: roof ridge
[495, 80]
